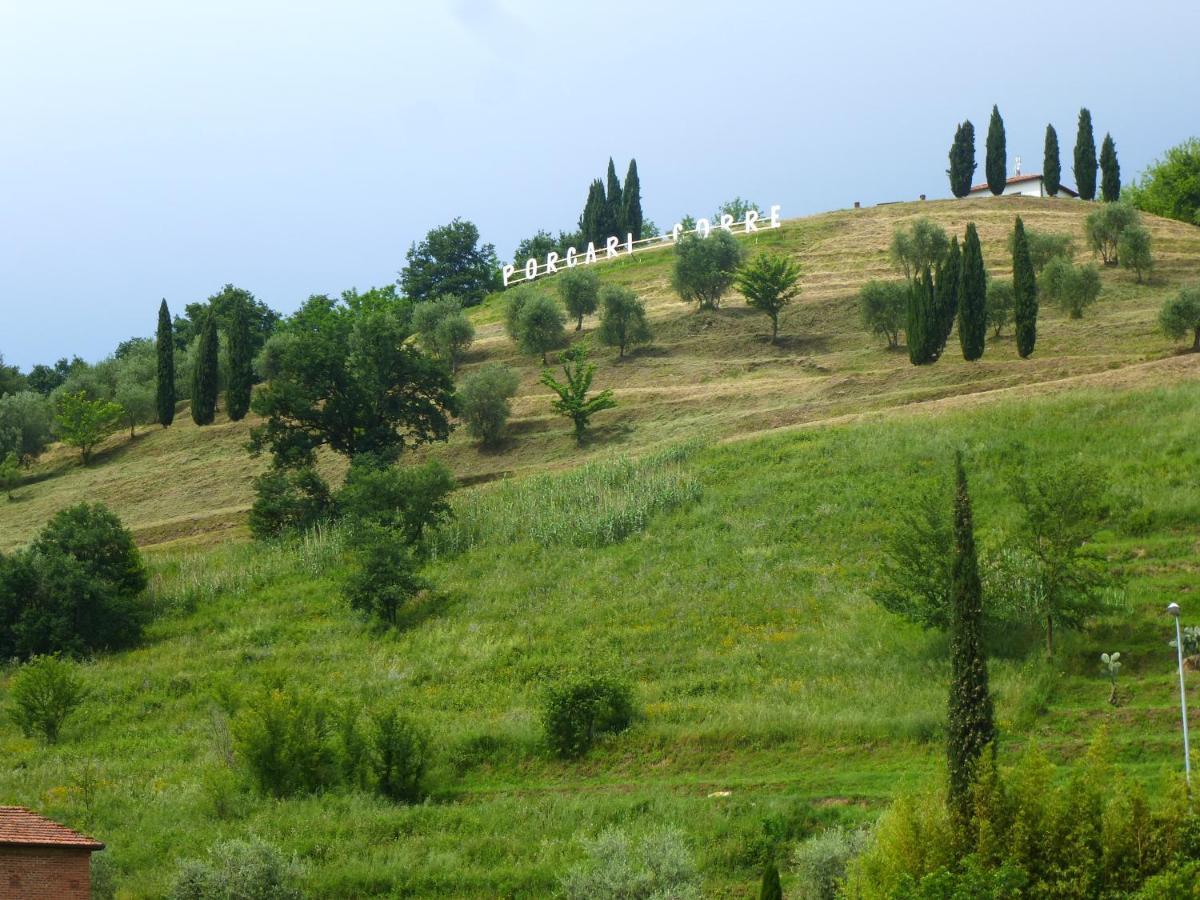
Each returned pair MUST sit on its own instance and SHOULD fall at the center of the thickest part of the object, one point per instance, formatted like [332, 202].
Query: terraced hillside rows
[707, 375]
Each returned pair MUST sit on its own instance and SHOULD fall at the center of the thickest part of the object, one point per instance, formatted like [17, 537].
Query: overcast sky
[161, 149]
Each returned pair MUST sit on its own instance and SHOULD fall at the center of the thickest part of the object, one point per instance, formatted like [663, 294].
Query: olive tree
[1073, 288]
[1180, 316]
[883, 309]
[580, 292]
[483, 400]
[705, 268]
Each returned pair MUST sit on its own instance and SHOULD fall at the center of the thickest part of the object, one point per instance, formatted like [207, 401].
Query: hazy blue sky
[160, 149]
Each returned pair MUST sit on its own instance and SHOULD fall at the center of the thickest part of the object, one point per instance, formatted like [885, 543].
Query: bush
[579, 710]
[92, 534]
[1044, 246]
[1105, 226]
[705, 268]
[407, 499]
[1134, 251]
[25, 420]
[1073, 288]
[288, 501]
[44, 693]
[385, 578]
[483, 402]
[658, 867]
[10, 474]
[398, 756]
[1180, 316]
[821, 861]
[882, 308]
[238, 870]
[1001, 299]
[285, 740]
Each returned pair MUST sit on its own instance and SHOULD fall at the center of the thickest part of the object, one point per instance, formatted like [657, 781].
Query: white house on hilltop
[1023, 185]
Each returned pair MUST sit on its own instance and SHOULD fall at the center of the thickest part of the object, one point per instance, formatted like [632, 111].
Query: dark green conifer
[591, 223]
[946, 295]
[204, 375]
[962, 159]
[613, 205]
[921, 330]
[1025, 302]
[241, 363]
[996, 164]
[1051, 166]
[972, 298]
[1110, 171]
[970, 727]
[165, 344]
[631, 203]
[1085, 157]
[771, 888]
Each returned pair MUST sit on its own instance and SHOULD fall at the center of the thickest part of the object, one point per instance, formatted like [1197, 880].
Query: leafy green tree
[771, 889]
[705, 268]
[241, 359]
[594, 217]
[1180, 316]
[399, 755]
[735, 208]
[1170, 186]
[1104, 227]
[484, 402]
[1074, 288]
[135, 395]
[1134, 250]
[622, 319]
[11, 379]
[631, 203]
[573, 401]
[205, 374]
[972, 301]
[970, 727]
[882, 307]
[341, 375]
[1000, 302]
[515, 299]
[1110, 171]
[1051, 164]
[84, 423]
[45, 692]
[451, 261]
[10, 473]
[541, 326]
[165, 383]
[25, 424]
[1025, 300]
[227, 303]
[914, 579]
[443, 329]
[580, 292]
[1085, 157]
[1044, 246]
[996, 164]
[385, 577]
[536, 247]
[923, 244]
[288, 501]
[769, 283]
[613, 202]
[962, 159]
[405, 500]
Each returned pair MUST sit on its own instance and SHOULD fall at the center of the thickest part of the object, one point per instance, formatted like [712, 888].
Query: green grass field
[716, 551]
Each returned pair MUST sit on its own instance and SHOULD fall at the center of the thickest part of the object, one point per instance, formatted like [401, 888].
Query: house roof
[1021, 179]
[21, 827]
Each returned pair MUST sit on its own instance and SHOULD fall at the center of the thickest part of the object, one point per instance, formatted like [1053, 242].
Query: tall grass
[599, 503]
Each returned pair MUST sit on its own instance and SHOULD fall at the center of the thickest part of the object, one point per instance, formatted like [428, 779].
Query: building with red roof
[42, 860]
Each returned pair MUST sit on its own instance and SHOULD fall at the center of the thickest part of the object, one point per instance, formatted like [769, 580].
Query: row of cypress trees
[615, 209]
[955, 290]
[962, 160]
[205, 371]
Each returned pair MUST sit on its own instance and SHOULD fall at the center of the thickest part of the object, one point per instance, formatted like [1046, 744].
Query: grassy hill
[774, 696]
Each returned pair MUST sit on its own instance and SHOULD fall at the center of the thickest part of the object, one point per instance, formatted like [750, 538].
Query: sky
[163, 149]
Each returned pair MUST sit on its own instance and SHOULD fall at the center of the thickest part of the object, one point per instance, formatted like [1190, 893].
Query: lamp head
[1173, 610]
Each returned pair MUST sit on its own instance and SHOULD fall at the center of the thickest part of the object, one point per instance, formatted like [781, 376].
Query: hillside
[707, 376]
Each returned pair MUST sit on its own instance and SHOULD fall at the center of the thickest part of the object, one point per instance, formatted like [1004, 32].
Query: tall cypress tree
[204, 375]
[921, 329]
[1085, 157]
[1025, 302]
[972, 298]
[996, 164]
[631, 203]
[946, 296]
[1110, 171]
[591, 223]
[1051, 165]
[613, 204]
[241, 371]
[771, 888]
[962, 159]
[165, 344]
[970, 727]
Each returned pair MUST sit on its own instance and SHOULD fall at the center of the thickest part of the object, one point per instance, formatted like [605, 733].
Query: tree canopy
[705, 268]
[451, 260]
[1170, 186]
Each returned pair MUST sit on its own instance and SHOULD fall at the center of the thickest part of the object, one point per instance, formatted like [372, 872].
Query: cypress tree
[970, 727]
[631, 203]
[962, 159]
[204, 375]
[613, 205]
[921, 330]
[1085, 157]
[165, 344]
[771, 888]
[996, 164]
[1110, 171]
[1025, 303]
[946, 295]
[591, 223]
[972, 298]
[1051, 166]
[241, 371]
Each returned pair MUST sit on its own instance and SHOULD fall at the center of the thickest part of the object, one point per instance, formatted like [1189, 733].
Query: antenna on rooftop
[1018, 165]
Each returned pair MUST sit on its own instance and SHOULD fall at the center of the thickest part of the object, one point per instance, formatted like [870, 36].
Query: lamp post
[1173, 611]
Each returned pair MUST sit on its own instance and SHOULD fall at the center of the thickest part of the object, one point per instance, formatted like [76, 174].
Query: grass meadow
[727, 581]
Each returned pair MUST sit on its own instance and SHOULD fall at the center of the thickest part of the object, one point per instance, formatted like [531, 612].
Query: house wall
[1031, 188]
[45, 873]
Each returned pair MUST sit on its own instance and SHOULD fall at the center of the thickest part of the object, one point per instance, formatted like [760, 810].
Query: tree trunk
[774, 328]
[579, 324]
[1196, 343]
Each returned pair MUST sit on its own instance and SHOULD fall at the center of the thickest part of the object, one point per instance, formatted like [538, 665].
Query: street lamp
[1173, 611]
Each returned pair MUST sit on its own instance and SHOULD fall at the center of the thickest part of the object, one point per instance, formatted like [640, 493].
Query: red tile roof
[1017, 179]
[19, 826]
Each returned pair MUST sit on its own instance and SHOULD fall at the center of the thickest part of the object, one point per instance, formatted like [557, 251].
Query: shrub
[44, 693]
[1074, 288]
[1180, 316]
[10, 474]
[705, 268]
[92, 534]
[821, 861]
[238, 870]
[882, 307]
[285, 740]
[398, 756]
[579, 710]
[25, 419]
[407, 499]
[580, 292]
[1133, 249]
[1045, 246]
[1000, 302]
[288, 500]
[384, 579]
[1105, 226]
[484, 402]
[657, 867]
